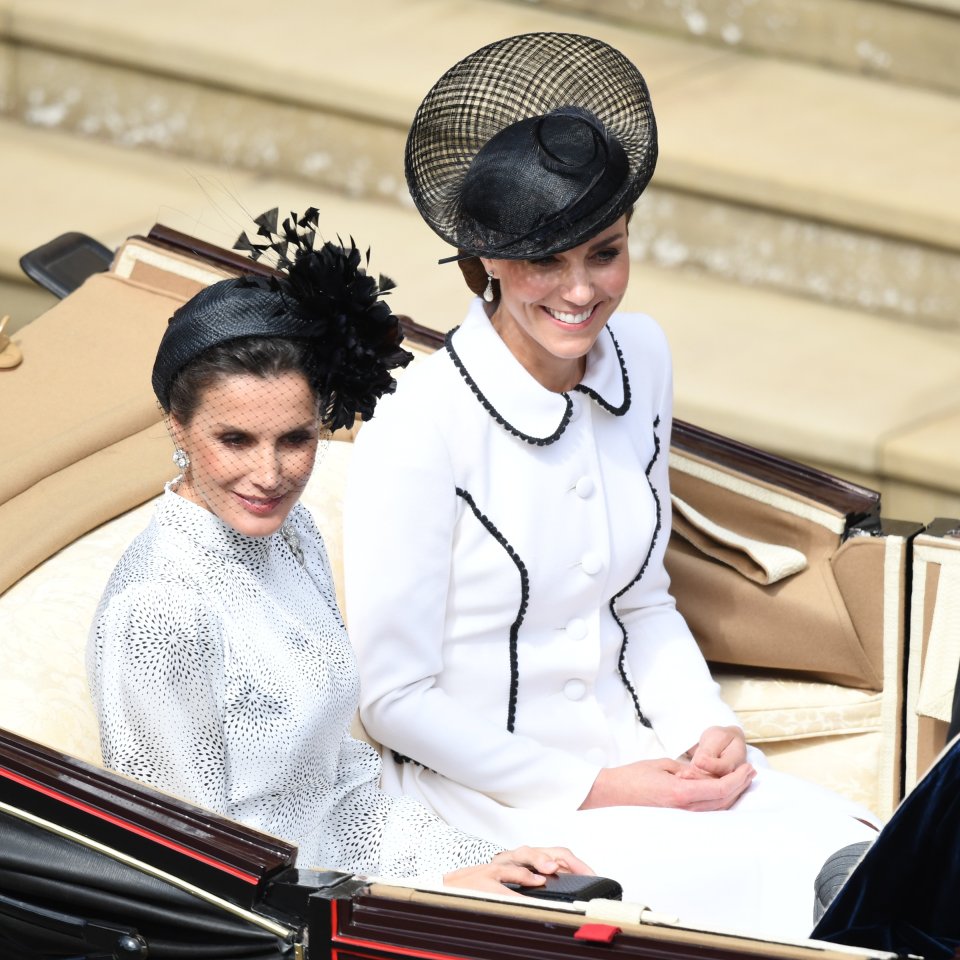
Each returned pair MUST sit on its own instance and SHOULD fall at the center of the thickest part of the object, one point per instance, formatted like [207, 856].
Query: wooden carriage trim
[858, 504]
[35, 778]
[400, 921]
[265, 923]
[140, 831]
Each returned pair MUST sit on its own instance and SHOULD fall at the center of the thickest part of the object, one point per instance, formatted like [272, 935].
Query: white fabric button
[584, 487]
[591, 564]
[576, 629]
[596, 755]
[574, 689]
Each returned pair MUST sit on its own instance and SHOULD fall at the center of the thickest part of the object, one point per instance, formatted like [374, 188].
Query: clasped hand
[528, 866]
[712, 775]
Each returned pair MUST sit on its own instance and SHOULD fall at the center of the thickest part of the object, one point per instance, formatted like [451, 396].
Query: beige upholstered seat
[825, 732]
[839, 734]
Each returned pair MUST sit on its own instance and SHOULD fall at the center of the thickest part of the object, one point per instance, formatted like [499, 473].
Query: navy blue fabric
[904, 896]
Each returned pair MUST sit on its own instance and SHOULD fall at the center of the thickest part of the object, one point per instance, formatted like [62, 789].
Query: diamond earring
[181, 459]
[488, 292]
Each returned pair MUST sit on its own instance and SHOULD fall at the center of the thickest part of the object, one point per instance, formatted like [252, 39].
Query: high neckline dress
[222, 673]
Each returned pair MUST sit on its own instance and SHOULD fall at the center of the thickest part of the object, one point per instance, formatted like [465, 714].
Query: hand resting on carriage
[527, 866]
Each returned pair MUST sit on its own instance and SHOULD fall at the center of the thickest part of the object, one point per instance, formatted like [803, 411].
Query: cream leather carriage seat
[825, 732]
[833, 734]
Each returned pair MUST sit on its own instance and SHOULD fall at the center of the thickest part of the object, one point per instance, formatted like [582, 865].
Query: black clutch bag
[572, 886]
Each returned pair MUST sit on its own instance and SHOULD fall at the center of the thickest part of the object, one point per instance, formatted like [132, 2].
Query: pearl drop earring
[488, 292]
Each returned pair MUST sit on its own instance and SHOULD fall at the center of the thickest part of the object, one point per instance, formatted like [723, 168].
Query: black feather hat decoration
[337, 306]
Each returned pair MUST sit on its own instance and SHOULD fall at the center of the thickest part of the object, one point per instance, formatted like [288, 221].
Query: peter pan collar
[514, 398]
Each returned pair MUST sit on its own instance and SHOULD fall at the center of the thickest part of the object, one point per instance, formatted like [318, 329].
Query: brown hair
[476, 277]
[263, 357]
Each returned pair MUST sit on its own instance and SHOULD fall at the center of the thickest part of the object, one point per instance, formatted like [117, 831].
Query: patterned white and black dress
[222, 673]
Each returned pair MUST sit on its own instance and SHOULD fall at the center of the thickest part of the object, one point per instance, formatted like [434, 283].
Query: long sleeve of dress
[398, 538]
[157, 660]
[222, 673]
[385, 835]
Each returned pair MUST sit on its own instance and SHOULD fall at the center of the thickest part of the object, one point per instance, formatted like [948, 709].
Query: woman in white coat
[522, 660]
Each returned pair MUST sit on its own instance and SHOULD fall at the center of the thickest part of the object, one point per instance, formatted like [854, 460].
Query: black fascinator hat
[531, 146]
[322, 296]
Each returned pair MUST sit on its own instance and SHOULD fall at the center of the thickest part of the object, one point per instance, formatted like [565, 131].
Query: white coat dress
[507, 597]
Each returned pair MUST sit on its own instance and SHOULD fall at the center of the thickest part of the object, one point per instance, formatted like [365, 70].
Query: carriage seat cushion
[44, 620]
[46, 615]
[814, 729]
[833, 735]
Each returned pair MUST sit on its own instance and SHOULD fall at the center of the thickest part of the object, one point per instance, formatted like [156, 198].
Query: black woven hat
[321, 295]
[226, 310]
[531, 146]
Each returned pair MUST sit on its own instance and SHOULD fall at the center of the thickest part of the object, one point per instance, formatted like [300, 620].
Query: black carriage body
[95, 865]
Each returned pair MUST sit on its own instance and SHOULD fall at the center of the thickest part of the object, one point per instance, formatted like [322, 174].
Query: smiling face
[552, 310]
[252, 443]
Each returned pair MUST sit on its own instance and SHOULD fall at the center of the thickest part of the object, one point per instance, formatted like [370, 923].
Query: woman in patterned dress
[218, 659]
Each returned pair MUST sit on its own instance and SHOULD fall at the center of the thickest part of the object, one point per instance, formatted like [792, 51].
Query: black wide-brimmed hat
[531, 146]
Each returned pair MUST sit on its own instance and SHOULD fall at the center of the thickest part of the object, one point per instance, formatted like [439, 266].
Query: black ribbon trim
[627, 395]
[524, 600]
[621, 664]
[489, 407]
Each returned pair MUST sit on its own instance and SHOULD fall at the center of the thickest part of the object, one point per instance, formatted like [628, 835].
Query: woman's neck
[557, 374]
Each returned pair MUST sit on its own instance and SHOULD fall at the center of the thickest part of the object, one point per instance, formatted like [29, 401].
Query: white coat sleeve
[400, 512]
[672, 682]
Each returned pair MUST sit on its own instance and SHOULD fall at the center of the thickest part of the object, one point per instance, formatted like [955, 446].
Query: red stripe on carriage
[129, 827]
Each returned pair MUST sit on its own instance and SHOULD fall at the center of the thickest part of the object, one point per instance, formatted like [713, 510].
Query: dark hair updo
[263, 357]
